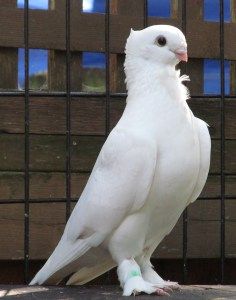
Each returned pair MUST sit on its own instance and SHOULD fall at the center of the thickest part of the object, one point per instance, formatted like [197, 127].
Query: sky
[34, 4]
[38, 58]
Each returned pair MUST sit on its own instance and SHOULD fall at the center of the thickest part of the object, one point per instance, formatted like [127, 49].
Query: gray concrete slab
[196, 292]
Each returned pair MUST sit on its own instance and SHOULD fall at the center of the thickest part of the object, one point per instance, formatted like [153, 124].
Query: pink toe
[161, 292]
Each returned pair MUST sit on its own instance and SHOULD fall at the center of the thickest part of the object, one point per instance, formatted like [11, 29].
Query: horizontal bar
[79, 135]
[47, 171]
[50, 200]
[88, 94]
[84, 172]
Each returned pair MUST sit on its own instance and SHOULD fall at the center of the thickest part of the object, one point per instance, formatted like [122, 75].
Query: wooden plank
[89, 38]
[130, 8]
[233, 10]
[8, 70]
[204, 239]
[11, 27]
[12, 115]
[209, 111]
[232, 77]
[230, 186]
[113, 72]
[58, 4]
[204, 229]
[48, 152]
[12, 185]
[116, 109]
[52, 185]
[12, 231]
[120, 26]
[47, 29]
[88, 115]
[201, 33]
[196, 73]
[56, 70]
[176, 9]
[204, 34]
[230, 228]
[230, 43]
[230, 111]
[172, 245]
[165, 21]
[47, 223]
[203, 233]
[8, 3]
[212, 187]
[215, 157]
[121, 87]
[76, 71]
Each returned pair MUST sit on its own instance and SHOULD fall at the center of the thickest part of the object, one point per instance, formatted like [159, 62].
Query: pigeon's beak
[181, 54]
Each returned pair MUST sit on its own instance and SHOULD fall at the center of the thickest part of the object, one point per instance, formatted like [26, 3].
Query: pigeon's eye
[161, 41]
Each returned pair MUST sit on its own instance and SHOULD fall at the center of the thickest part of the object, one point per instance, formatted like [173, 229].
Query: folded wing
[119, 185]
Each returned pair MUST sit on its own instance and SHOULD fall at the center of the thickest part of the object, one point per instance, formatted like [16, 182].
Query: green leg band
[134, 273]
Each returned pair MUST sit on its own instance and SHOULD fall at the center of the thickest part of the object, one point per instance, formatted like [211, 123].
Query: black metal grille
[108, 95]
[26, 216]
[222, 157]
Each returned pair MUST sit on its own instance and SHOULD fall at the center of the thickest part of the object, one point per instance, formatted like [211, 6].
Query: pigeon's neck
[146, 77]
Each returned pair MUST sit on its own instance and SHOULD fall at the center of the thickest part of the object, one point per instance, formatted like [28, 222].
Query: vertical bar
[222, 150]
[68, 113]
[185, 213]
[145, 13]
[26, 158]
[107, 53]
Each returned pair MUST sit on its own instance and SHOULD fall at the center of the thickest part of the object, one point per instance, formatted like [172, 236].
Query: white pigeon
[153, 164]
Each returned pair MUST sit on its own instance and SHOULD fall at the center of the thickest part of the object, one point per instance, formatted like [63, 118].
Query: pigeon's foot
[151, 276]
[171, 284]
[132, 282]
[137, 284]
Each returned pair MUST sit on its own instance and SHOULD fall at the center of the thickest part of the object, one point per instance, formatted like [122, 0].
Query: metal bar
[107, 52]
[85, 172]
[50, 171]
[54, 134]
[42, 200]
[85, 135]
[26, 158]
[94, 95]
[145, 13]
[185, 213]
[222, 152]
[68, 113]
[54, 200]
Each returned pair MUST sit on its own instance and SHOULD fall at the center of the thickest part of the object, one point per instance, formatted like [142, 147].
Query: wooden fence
[47, 123]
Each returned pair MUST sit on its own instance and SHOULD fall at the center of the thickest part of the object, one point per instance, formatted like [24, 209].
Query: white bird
[153, 164]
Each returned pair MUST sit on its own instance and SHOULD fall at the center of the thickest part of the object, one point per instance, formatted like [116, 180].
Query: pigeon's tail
[62, 262]
[97, 266]
[80, 261]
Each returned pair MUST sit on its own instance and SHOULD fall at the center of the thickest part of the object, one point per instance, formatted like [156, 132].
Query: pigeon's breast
[178, 162]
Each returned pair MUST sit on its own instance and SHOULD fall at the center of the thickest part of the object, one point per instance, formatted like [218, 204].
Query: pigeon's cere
[153, 164]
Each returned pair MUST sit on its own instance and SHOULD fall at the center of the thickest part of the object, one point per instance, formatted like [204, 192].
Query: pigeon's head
[158, 44]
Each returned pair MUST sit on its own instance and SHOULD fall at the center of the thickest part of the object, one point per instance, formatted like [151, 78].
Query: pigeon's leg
[132, 282]
[150, 275]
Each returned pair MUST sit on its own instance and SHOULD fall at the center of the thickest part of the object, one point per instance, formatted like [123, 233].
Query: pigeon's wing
[205, 156]
[119, 185]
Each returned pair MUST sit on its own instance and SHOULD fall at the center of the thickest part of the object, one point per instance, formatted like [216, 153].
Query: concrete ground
[194, 292]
